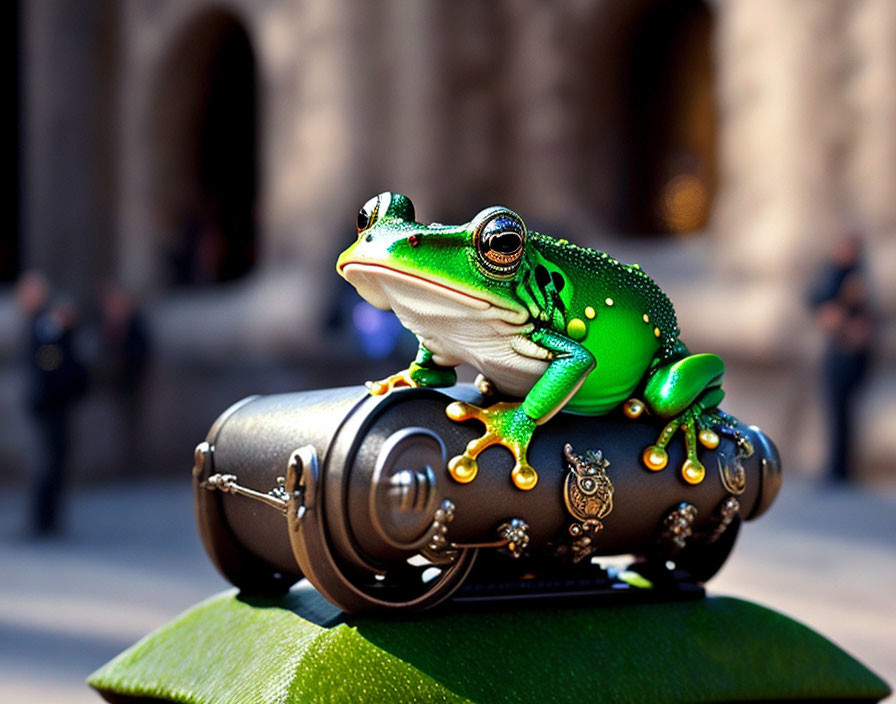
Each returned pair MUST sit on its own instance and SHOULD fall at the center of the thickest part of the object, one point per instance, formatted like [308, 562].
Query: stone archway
[649, 116]
[204, 134]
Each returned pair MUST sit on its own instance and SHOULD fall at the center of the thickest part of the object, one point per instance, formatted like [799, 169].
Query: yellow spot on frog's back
[656, 332]
[609, 301]
[645, 318]
[563, 241]
[589, 313]
[576, 328]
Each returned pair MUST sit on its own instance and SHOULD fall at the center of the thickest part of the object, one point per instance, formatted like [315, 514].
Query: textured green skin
[618, 354]
[228, 650]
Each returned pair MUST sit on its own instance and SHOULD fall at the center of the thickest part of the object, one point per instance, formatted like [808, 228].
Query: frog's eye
[499, 243]
[367, 214]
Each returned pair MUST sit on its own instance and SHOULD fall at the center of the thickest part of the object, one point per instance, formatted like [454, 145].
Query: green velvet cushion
[718, 649]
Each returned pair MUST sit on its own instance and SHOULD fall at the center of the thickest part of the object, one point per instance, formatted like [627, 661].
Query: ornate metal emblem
[588, 494]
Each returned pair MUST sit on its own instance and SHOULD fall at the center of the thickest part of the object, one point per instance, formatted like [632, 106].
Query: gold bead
[654, 458]
[609, 301]
[693, 472]
[709, 439]
[590, 313]
[656, 332]
[576, 328]
[633, 408]
[645, 318]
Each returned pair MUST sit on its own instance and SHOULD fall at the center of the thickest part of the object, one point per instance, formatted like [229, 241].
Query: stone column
[69, 62]
[872, 166]
[781, 129]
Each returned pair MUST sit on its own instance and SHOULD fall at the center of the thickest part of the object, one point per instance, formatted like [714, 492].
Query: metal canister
[352, 492]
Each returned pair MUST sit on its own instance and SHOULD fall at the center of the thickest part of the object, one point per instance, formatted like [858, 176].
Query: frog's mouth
[373, 283]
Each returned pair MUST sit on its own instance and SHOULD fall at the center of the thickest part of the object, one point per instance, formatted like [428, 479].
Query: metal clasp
[229, 484]
[294, 493]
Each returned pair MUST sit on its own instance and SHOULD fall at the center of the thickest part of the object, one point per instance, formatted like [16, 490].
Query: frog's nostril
[368, 238]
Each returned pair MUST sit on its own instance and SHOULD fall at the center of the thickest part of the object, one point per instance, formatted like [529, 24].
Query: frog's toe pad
[708, 438]
[524, 477]
[693, 471]
[463, 469]
[654, 458]
[460, 411]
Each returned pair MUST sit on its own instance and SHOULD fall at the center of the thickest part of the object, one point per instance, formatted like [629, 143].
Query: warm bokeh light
[685, 203]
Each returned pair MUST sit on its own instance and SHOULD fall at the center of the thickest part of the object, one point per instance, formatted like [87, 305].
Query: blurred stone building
[212, 156]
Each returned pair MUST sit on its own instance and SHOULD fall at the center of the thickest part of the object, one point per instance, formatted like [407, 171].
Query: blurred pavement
[132, 561]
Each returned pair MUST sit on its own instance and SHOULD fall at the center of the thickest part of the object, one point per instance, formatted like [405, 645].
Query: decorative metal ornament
[725, 514]
[515, 535]
[438, 549]
[679, 524]
[732, 474]
[588, 495]
[633, 408]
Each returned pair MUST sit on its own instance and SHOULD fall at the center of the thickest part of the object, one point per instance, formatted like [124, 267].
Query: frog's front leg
[512, 424]
[423, 371]
[682, 392]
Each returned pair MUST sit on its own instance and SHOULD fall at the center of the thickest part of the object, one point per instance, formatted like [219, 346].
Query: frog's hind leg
[693, 423]
[683, 392]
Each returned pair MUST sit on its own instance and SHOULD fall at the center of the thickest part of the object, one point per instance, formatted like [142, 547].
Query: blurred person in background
[55, 380]
[125, 344]
[843, 312]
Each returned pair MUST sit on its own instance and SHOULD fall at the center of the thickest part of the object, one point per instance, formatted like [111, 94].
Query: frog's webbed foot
[393, 381]
[695, 424]
[505, 424]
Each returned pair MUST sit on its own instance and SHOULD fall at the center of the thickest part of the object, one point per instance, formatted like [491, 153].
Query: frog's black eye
[499, 243]
[367, 214]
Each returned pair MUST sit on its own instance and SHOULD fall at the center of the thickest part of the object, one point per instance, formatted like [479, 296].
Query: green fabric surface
[711, 650]
[227, 650]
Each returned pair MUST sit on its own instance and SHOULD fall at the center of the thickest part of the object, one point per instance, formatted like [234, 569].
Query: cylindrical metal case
[352, 492]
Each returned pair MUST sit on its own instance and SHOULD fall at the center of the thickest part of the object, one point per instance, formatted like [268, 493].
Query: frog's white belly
[457, 328]
[491, 346]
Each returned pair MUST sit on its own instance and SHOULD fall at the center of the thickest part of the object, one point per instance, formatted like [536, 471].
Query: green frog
[559, 326]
